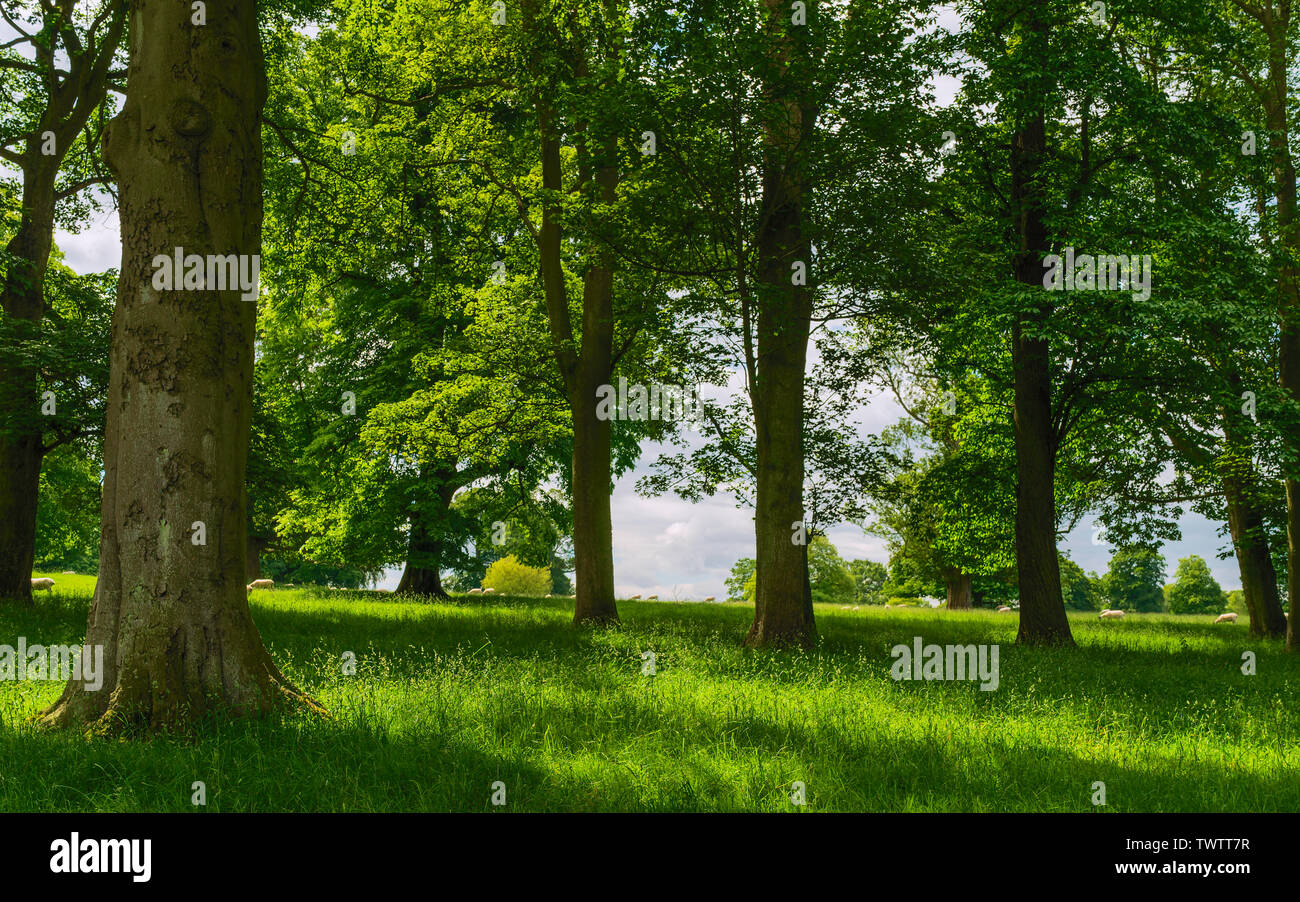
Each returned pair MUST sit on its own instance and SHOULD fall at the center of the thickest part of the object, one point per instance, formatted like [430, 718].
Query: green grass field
[448, 698]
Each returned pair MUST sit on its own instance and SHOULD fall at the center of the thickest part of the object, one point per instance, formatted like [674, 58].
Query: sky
[683, 550]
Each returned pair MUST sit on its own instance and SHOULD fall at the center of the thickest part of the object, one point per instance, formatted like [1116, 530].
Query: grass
[449, 698]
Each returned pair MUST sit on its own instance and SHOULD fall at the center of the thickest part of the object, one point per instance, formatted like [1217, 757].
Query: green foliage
[829, 576]
[740, 583]
[1080, 590]
[67, 519]
[909, 579]
[308, 573]
[508, 576]
[1135, 580]
[1237, 603]
[1195, 591]
[869, 579]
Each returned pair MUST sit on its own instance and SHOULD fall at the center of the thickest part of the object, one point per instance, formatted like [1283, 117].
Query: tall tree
[55, 92]
[170, 610]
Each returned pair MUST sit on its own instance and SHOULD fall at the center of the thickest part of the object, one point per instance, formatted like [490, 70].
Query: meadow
[451, 697]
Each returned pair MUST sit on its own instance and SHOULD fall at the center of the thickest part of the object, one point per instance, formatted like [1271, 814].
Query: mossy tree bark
[172, 616]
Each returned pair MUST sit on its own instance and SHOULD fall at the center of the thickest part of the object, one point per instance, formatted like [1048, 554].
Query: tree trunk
[593, 529]
[21, 434]
[958, 586]
[1246, 521]
[422, 575]
[1288, 233]
[1258, 577]
[1042, 609]
[783, 612]
[22, 297]
[253, 557]
[587, 361]
[171, 613]
[420, 581]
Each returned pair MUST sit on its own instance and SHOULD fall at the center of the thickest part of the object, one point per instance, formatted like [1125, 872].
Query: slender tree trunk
[170, 613]
[586, 362]
[22, 296]
[958, 589]
[783, 612]
[21, 434]
[1042, 609]
[1288, 233]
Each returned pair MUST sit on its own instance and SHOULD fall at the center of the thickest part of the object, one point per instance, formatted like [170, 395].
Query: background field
[450, 697]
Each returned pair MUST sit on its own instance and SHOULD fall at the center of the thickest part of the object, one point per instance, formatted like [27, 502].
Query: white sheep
[1004, 609]
[475, 591]
[261, 584]
[1226, 618]
[43, 582]
[652, 598]
[1111, 615]
[489, 591]
[636, 597]
[710, 598]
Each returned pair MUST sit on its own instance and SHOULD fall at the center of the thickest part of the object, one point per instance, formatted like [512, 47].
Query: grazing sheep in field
[43, 582]
[1112, 615]
[710, 598]
[1004, 609]
[475, 591]
[857, 607]
[636, 597]
[262, 584]
[71, 572]
[1226, 618]
[489, 591]
[652, 598]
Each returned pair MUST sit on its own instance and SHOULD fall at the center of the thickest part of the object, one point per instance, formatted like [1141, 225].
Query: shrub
[509, 576]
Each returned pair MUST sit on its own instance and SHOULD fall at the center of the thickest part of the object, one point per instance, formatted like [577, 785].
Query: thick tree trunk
[783, 612]
[422, 574]
[172, 615]
[586, 361]
[1246, 522]
[21, 434]
[958, 589]
[1254, 561]
[420, 581]
[593, 529]
[1042, 609]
